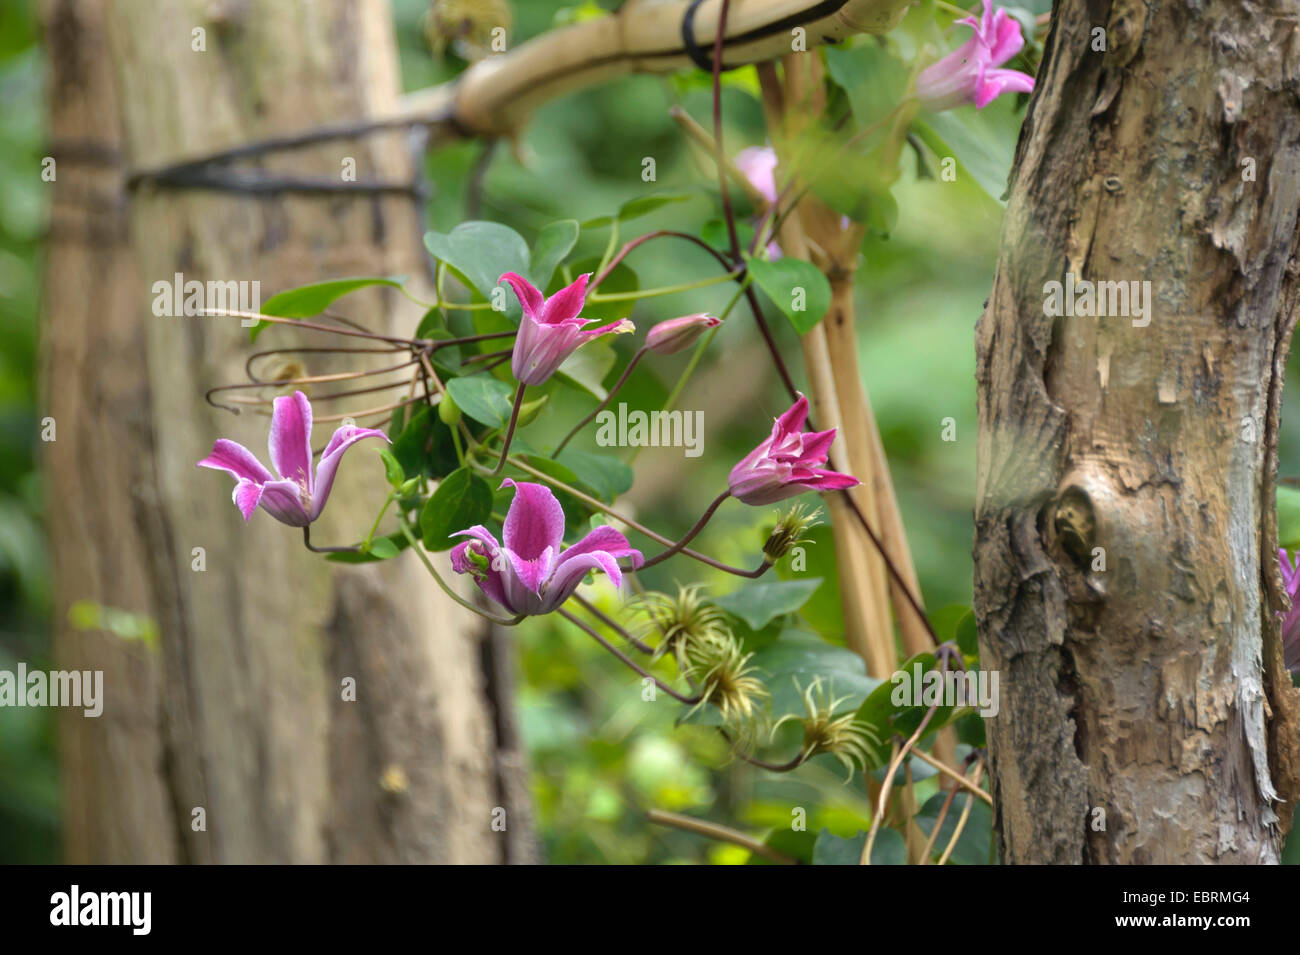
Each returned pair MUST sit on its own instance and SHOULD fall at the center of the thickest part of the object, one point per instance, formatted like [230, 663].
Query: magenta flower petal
[283, 500]
[817, 445]
[969, 74]
[551, 329]
[785, 464]
[343, 439]
[535, 520]
[290, 439]
[792, 420]
[231, 456]
[246, 495]
[606, 539]
[530, 296]
[993, 83]
[301, 492]
[566, 303]
[758, 165]
[622, 327]
[531, 578]
[1291, 620]
[569, 573]
[485, 545]
[670, 337]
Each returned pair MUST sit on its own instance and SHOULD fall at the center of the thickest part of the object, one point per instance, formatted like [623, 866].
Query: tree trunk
[241, 712]
[1126, 576]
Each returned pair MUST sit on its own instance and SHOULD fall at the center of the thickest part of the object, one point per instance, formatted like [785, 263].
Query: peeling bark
[1144, 689]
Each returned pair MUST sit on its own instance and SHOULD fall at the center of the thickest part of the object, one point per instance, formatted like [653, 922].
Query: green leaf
[969, 137]
[425, 446]
[397, 540]
[757, 604]
[888, 849]
[1288, 518]
[481, 252]
[392, 468]
[796, 843]
[796, 287]
[606, 475]
[967, 636]
[308, 300]
[554, 242]
[462, 500]
[714, 232]
[882, 718]
[485, 399]
[635, 208]
[588, 366]
[946, 619]
[872, 77]
[975, 843]
[382, 548]
[796, 660]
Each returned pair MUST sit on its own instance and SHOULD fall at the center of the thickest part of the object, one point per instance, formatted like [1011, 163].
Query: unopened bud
[672, 336]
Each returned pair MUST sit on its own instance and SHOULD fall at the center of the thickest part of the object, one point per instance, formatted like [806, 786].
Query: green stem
[375, 526]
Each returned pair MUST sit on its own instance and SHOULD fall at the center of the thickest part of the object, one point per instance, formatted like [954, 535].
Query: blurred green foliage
[29, 804]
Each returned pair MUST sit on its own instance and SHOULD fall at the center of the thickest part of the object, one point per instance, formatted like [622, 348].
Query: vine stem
[689, 535]
[713, 830]
[608, 621]
[961, 820]
[510, 429]
[657, 234]
[632, 363]
[899, 754]
[641, 528]
[306, 539]
[952, 774]
[627, 660]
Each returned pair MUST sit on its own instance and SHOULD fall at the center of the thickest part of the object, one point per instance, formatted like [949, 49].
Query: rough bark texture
[1141, 689]
[240, 711]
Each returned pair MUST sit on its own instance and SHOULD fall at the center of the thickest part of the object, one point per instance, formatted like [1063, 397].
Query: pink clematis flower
[969, 74]
[758, 165]
[1291, 622]
[530, 574]
[300, 493]
[551, 330]
[786, 463]
[670, 337]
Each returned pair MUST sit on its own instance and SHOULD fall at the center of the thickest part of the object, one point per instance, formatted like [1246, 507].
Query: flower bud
[670, 337]
[789, 532]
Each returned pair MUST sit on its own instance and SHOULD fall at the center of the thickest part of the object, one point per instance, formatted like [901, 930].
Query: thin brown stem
[713, 830]
[689, 535]
[627, 661]
[510, 428]
[622, 379]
